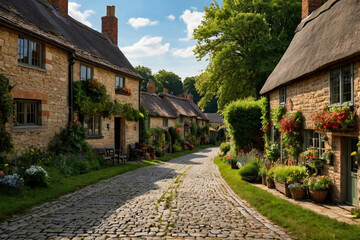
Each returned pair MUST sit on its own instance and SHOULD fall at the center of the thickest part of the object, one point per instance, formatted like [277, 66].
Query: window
[341, 85]
[181, 119]
[30, 52]
[165, 122]
[86, 73]
[148, 123]
[119, 82]
[314, 139]
[282, 95]
[92, 126]
[27, 112]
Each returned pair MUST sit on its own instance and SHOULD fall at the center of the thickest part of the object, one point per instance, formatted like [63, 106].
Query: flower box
[283, 188]
[270, 183]
[263, 180]
[123, 91]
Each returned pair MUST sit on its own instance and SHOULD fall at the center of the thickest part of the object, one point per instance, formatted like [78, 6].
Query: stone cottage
[43, 51]
[166, 110]
[321, 66]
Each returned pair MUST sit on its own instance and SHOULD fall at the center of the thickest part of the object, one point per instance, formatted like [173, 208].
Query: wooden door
[117, 132]
[352, 169]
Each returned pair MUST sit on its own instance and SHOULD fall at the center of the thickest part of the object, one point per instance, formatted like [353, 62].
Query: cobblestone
[181, 199]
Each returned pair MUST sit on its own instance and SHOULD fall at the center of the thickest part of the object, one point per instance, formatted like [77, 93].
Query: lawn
[300, 222]
[59, 185]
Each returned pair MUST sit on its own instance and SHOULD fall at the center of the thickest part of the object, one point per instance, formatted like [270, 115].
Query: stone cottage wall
[129, 129]
[310, 95]
[157, 122]
[48, 85]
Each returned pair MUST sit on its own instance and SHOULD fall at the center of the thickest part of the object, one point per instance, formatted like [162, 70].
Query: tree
[147, 75]
[243, 40]
[171, 81]
[189, 87]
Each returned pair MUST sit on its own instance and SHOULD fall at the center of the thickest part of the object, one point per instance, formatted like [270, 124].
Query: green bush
[175, 136]
[36, 176]
[177, 147]
[262, 170]
[251, 168]
[290, 173]
[159, 152]
[6, 111]
[243, 118]
[273, 153]
[225, 147]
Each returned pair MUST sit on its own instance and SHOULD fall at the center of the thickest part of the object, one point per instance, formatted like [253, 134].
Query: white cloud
[75, 12]
[141, 22]
[192, 19]
[146, 46]
[193, 8]
[171, 17]
[183, 52]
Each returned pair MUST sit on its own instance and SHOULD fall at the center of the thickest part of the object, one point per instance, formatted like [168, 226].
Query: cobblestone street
[181, 199]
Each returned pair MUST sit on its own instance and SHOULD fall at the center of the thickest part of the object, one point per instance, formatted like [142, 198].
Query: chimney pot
[308, 6]
[109, 24]
[166, 90]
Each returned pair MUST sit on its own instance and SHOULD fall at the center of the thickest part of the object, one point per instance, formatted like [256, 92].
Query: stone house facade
[42, 52]
[321, 67]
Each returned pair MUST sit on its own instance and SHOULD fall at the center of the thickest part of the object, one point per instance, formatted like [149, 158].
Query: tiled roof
[38, 18]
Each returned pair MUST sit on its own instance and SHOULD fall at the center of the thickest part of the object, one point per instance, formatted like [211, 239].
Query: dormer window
[341, 85]
[282, 96]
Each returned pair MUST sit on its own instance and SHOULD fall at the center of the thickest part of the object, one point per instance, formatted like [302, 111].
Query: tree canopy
[189, 87]
[243, 41]
[171, 81]
[147, 75]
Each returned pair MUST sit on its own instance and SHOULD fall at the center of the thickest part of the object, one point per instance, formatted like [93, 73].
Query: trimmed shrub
[225, 147]
[251, 168]
[244, 120]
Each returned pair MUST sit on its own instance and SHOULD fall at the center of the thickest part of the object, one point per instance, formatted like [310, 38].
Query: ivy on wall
[6, 111]
[92, 99]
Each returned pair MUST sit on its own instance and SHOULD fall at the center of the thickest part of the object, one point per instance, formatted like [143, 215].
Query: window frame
[86, 72]
[165, 122]
[314, 139]
[37, 112]
[41, 54]
[341, 102]
[181, 119]
[86, 128]
[280, 95]
[120, 77]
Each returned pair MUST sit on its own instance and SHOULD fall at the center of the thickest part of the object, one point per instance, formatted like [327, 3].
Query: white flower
[34, 170]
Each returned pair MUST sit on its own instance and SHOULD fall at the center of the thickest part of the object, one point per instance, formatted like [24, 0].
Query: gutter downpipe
[71, 88]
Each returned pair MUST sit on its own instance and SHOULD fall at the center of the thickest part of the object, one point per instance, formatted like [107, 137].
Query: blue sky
[152, 33]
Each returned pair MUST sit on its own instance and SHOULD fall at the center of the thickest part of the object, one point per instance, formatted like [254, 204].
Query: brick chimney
[165, 90]
[151, 86]
[308, 6]
[60, 5]
[110, 24]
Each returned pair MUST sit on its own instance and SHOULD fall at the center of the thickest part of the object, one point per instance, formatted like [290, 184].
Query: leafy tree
[243, 40]
[147, 75]
[189, 87]
[171, 81]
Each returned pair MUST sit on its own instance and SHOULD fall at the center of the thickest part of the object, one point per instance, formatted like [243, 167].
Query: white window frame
[341, 85]
[119, 81]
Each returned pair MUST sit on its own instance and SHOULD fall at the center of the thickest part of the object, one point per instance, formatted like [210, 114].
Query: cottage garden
[284, 165]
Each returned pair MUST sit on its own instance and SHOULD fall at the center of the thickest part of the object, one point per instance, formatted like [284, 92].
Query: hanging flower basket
[123, 91]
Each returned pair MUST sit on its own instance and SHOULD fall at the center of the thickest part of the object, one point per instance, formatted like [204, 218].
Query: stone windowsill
[95, 137]
[25, 128]
[32, 67]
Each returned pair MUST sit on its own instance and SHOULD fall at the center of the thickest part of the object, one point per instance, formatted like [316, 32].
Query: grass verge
[59, 185]
[301, 223]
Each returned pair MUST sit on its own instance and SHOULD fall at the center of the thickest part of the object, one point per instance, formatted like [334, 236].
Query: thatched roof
[215, 117]
[39, 18]
[156, 106]
[328, 36]
[183, 106]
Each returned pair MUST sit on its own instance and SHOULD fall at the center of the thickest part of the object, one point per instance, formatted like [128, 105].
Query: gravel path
[182, 199]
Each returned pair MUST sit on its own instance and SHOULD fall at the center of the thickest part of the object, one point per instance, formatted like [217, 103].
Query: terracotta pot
[249, 178]
[234, 166]
[318, 196]
[283, 188]
[263, 180]
[298, 193]
[270, 183]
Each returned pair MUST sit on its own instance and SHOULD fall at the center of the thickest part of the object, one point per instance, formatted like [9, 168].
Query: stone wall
[157, 122]
[129, 129]
[310, 95]
[49, 86]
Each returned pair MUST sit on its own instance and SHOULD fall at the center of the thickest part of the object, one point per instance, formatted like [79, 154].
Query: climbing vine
[6, 111]
[265, 121]
[92, 99]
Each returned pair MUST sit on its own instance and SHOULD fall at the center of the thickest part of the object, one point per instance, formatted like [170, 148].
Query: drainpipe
[139, 108]
[71, 88]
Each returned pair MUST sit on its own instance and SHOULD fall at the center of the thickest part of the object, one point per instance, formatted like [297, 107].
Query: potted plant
[262, 174]
[249, 171]
[232, 160]
[318, 188]
[280, 180]
[328, 156]
[270, 177]
[298, 191]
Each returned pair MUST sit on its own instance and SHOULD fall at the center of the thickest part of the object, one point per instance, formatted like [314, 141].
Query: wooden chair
[120, 155]
[135, 153]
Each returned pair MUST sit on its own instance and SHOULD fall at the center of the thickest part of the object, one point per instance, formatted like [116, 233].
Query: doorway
[351, 171]
[117, 133]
